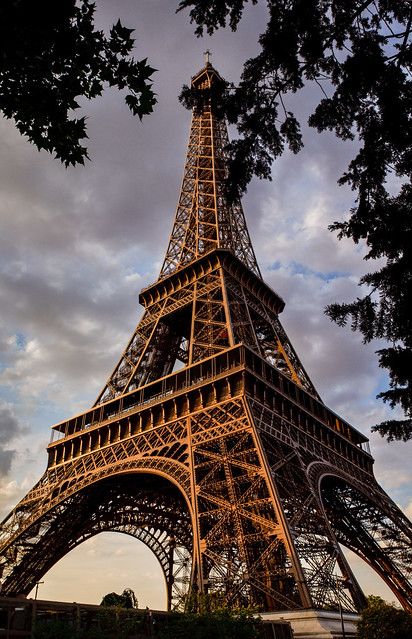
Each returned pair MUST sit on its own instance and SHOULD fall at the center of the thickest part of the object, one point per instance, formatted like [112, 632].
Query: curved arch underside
[147, 507]
[365, 521]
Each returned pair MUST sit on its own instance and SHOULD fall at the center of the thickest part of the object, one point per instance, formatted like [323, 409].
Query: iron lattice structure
[209, 442]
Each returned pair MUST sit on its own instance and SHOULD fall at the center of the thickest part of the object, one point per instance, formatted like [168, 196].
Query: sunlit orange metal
[209, 442]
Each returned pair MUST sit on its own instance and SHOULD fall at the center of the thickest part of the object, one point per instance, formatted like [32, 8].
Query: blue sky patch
[300, 269]
[21, 341]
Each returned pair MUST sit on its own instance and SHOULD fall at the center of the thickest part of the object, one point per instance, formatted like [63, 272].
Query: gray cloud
[10, 429]
[6, 459]
[9, 426]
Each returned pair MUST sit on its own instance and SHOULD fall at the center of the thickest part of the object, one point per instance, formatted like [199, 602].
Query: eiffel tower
[209, 442]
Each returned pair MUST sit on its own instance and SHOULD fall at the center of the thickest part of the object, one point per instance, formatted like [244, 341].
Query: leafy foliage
[221, 623]
[126, 600]
[380, 620]
[113, 623]
[119, 622]
[51, 56]
[208, 615]
[385, 312]
[359, 54]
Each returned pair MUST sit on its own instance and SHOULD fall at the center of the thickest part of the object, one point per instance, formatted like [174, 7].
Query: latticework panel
[322, 560]
[197, 321]
[368, 522]
[205, 220]
[260, 329]
[210, 331]
[242, 556]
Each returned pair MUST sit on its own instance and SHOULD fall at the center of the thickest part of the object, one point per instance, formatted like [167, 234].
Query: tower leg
[369, 523]
[170, 571]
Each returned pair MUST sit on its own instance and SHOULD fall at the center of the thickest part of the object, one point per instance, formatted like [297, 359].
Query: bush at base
[54, 630]
[380, 620]
[219, 625]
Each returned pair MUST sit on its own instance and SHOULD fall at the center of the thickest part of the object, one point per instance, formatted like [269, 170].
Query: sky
[78, 244]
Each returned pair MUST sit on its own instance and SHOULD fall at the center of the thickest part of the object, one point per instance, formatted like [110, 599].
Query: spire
[205, 220]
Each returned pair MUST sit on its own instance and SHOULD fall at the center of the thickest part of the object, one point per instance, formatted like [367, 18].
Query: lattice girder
[367, 523]
[208, 306]
[205, 219]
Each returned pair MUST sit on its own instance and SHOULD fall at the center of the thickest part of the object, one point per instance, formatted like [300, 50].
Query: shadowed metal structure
[209, 442]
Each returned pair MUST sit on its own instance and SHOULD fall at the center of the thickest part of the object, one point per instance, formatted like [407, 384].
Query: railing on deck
[179, 381]
[200, 373]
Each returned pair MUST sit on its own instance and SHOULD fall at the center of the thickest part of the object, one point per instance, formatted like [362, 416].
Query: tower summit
[205, 220]
[209, 442]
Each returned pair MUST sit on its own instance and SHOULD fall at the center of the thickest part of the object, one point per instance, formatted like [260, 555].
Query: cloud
[6, 458]
[65, 318]
[10, 493]
[9, 426]
[10, 429]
